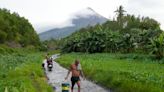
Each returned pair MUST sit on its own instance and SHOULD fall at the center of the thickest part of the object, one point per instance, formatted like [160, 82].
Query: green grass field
[21, 72]
[120, 73]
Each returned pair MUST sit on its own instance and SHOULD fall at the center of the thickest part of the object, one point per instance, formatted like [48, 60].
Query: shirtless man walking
[76, 73]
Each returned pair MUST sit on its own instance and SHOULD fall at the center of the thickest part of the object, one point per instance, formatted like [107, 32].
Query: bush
[22, 72]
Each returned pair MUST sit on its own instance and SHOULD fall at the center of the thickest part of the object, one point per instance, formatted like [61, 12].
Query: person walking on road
[76, 73]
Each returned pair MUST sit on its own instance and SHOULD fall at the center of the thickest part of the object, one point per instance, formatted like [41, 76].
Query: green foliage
[22, 72]
[148, 23]
[3, 36]
[127, 34]
[98, 40]
[16, 30]
[88, 41]
[157, 46]
[120, 72]
[50, 45]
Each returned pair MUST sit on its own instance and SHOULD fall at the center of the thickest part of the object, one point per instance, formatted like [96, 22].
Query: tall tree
[120, 14]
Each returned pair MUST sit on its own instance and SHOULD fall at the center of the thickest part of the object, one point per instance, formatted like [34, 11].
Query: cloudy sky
[46, 13]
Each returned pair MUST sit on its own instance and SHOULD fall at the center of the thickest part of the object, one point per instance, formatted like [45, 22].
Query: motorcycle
[49, 64]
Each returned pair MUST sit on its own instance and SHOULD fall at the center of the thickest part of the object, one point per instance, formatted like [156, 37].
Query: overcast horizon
[49, 13]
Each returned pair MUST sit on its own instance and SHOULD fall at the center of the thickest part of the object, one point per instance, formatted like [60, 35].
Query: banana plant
[157, 46]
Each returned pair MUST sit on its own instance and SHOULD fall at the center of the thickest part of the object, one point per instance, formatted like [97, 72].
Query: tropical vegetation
[16, 31]
[21, 71]
[125, 34]
[124, 54]
[120, 72]
[20, 59]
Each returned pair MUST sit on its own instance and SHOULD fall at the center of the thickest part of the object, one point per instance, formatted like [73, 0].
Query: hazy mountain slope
[81, 19]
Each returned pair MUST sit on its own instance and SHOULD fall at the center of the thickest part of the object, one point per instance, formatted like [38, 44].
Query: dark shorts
[75, 79]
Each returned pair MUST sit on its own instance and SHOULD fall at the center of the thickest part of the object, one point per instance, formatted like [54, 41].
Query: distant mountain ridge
[84, 18]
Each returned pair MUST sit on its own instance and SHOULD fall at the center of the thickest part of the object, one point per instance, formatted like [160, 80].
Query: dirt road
[58, 73]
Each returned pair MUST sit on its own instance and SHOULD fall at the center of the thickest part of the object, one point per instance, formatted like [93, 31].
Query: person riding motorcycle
[49, 62]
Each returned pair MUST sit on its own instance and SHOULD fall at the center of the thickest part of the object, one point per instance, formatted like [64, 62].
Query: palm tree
[120, 14]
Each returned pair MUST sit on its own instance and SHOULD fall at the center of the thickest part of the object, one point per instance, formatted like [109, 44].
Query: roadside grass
[120, 72]
[22, 72]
